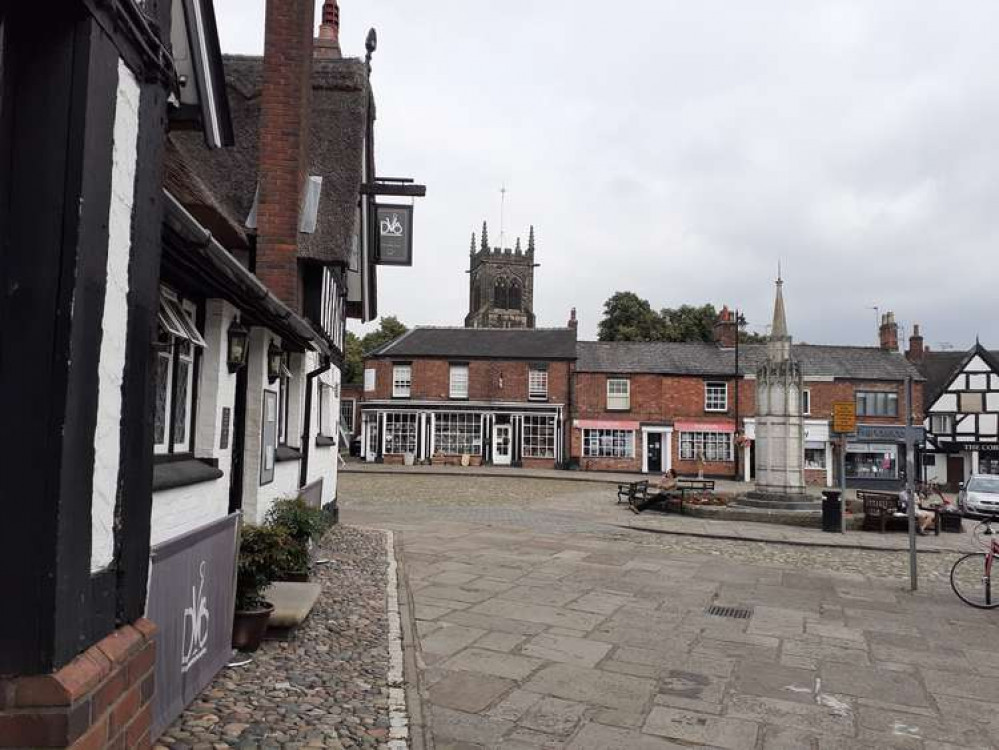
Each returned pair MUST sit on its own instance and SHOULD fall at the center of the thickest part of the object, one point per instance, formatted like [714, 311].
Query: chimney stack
[573, 323]
[888, 333]
[284, 132]
[328, 42]
[726, 329]
[916, 349]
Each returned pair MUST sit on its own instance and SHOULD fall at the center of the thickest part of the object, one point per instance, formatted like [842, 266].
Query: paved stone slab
[468, 691]
[678, 687]
[835, 719]
[553, 596]
[511, 666]
[770, 680]
[600, 737]
[553, 716]
[450, 639]
[824, 651]
[499, 641]
[969, 686]
[865, 682]
[592, 686]
[917, 727]
[578, 651]
[487, 622]
[451, 726]
[599, 602]
[514, 705]
[693, 727]
[538, 613]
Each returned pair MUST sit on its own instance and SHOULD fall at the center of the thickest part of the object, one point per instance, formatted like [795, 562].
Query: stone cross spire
[485, 237]
[779, 346]
[471, 248]
[530, 240]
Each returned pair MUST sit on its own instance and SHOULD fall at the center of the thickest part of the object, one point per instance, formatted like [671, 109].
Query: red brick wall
[101, 699]
[431, 380]
[284, 129]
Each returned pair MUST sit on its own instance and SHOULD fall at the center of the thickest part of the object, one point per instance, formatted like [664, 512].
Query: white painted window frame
[458, 386]
[711, 399]
[618, 399]
[537, 384]
[402, 381]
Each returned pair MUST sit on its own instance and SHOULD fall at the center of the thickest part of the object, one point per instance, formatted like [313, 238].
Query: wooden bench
[882, 508]
[627, 492]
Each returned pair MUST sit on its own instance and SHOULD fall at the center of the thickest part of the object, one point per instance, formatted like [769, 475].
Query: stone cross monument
[780, 473]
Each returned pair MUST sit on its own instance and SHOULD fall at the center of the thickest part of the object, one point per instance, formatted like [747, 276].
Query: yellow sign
[844, 416]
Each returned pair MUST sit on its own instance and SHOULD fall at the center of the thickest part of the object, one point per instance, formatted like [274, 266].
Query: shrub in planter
[264, 551]
[302, 523]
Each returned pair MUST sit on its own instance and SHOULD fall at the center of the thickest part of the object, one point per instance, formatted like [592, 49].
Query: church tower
[779, 422]
[500, 284]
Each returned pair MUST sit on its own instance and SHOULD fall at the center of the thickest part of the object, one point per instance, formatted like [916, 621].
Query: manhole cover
[739, 613]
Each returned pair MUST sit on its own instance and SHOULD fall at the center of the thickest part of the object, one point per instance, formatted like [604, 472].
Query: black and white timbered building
[962, 412]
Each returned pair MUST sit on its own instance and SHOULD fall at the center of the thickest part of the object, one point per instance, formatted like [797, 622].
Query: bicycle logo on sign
[196, 618]
[392, 226]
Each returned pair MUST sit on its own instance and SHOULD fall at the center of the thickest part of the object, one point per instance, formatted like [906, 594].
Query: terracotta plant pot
[249, 626]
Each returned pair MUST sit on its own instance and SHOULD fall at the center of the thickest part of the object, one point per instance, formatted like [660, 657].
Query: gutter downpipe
[303, 469]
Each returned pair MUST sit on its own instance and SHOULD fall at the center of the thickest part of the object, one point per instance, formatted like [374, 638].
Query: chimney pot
[916, 349]
[888, 333]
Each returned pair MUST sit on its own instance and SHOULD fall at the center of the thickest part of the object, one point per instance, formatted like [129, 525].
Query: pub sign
[395, 235]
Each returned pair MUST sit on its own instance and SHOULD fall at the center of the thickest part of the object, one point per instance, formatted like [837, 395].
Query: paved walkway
[536, 635]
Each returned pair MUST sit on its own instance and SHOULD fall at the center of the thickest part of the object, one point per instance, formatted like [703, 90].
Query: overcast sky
[679, 149]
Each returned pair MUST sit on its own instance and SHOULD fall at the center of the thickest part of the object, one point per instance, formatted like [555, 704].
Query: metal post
[910, 485]
[842, 483]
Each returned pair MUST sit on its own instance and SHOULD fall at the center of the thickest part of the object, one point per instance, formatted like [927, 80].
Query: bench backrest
[878, 500]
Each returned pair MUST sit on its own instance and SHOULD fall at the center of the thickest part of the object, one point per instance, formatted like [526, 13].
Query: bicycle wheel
[971, 579]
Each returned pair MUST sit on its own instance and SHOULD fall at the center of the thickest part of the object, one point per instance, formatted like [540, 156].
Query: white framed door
[502, 444]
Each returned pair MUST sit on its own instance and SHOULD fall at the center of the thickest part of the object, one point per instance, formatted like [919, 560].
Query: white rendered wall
[107, 435]
[323, 459]
[256, 372]
[183, 509]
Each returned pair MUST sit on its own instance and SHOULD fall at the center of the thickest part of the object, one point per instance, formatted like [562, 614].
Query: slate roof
[340, 100]
[476, 343]
[857, 362]
[939, 367]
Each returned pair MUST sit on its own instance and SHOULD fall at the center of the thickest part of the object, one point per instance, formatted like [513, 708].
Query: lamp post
[274, 358]
[237, 349]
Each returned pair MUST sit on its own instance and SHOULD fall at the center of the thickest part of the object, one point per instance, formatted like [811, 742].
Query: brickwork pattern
[101, 699]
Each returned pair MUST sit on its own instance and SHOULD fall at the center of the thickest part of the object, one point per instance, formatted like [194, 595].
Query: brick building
[654, 406]
[493, 395]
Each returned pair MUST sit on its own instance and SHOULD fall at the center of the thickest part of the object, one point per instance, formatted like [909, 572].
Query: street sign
[844, 417]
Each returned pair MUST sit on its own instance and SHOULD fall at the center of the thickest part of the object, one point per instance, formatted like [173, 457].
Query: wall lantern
[275, 358]
[237, 346]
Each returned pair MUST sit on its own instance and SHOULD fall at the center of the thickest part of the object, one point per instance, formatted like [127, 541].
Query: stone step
[753, 502]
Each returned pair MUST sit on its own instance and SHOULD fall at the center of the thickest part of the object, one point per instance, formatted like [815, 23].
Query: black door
[655, 451]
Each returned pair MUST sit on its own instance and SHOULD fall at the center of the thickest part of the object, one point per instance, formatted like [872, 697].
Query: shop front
[875, 456]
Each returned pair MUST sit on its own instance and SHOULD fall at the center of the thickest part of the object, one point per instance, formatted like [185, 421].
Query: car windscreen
[989, 485]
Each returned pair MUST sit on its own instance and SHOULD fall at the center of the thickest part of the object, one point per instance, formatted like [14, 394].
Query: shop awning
[719, 426]
[605, 424]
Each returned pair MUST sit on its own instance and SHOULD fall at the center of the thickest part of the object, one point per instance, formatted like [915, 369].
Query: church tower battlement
[500, 284]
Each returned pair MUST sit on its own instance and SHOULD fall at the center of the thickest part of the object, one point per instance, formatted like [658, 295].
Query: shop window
[400, 433]
[618, 394]
[815, 458]
[539, 437]
[609, 443]
[877, 404]
[716, 397]
[347, 414]
[537, 383]
[706, 446]
[458, 433]
[867, 461]
[177, 344]
[402, 381]
[458, 381]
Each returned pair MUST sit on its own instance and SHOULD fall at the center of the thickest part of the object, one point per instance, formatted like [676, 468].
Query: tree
[389, 329]
[628, 317]
[688, 323]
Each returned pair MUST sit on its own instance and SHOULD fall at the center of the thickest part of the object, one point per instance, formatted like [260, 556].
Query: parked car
[980, 496]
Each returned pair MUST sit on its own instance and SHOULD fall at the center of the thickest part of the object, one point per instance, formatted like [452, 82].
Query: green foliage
[628, 317]
[264, 554]
[389, 328]
[302, 523]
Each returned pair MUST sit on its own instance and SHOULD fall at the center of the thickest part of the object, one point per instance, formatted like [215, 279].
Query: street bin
[832, 513]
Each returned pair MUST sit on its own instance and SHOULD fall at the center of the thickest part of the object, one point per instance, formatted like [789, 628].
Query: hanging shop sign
[192, 594]
[395, 235]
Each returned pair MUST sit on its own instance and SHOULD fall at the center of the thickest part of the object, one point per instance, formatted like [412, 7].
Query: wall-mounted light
[275, 358]
[237, 347]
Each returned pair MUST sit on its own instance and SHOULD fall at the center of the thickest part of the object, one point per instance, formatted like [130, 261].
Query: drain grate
[739, 613]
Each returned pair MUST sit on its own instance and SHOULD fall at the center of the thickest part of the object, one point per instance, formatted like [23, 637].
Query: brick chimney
[726, 329]
[327, 45]
[888, 333]
[573, 323]
[916, 349]
[284, 129]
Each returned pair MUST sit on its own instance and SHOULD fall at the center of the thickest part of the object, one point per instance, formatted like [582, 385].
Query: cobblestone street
[545, 622]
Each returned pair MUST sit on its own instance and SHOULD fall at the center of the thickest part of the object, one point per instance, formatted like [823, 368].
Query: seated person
[924, 518]
[668, 481]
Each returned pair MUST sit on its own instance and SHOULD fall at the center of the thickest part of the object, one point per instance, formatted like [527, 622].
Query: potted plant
[263, 554]
[302, 523]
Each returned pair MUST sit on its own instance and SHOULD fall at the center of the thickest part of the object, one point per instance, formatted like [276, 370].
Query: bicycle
[971, 575]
